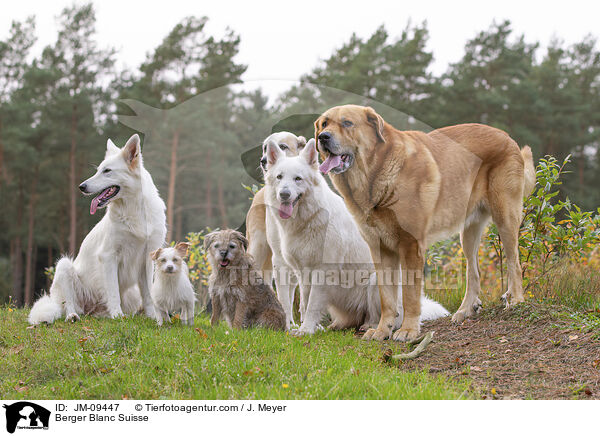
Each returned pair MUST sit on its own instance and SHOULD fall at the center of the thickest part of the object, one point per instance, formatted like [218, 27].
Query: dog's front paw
[509, 299]
[116, 314]
[72, 317]
[406, 334]
[466, 311]
[460, 316]
[334, 326]
[376, 335]
[302, 331]
[151, 312]
[297, 332]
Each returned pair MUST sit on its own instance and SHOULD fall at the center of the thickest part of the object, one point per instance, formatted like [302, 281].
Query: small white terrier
[171, 288]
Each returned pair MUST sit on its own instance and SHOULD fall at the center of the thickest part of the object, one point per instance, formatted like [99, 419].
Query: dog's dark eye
[279, 176]
[347, 123]
[175, 260]
[216, 245]
[283, 147]
[232, 245]
[107, 170]
[298, 178]
[163, 260]
[324, 124]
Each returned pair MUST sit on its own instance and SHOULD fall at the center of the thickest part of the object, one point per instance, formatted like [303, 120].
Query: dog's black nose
[324, 137]
[223, 253]
[83, 187]
[170, 268]
[285, 195]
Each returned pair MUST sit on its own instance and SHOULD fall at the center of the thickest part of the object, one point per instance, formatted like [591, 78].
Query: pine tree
[186, 64]
[13, 54]
[82, 67]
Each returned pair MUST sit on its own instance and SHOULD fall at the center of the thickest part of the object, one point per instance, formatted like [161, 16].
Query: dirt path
[531, 351]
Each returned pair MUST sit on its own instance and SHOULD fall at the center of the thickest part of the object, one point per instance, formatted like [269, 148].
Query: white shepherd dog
[113, 265]
[322, 245]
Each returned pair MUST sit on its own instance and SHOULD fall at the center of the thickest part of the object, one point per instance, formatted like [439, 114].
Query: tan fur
[238, 292]
[408, 189]
[256, 231]
[182, 248]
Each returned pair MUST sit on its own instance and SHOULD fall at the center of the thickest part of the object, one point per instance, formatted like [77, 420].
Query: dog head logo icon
[26, 415]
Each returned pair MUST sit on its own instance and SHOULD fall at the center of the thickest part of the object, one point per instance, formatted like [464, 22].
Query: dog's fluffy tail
[529, 182]
[49, 308]
[432, 309]
[46, 309]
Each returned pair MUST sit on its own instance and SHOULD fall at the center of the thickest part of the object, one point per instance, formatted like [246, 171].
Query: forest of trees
[200, 132]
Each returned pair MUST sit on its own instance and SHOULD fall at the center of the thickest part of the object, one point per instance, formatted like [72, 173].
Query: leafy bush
[198, 265]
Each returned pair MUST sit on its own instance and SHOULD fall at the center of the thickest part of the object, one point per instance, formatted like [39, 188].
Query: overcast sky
[283, 40]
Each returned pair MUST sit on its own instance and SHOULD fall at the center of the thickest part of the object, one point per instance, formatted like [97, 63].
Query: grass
[568, 284]
[134, 358]
[573, 285]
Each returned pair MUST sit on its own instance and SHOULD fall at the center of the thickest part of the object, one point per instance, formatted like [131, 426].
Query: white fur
[322, 236]
[172, 291]
[286, 289]
[113, 265]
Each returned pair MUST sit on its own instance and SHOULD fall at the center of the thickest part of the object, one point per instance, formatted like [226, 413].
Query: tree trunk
[172, 182]
[17, 256]
[72, 187]
[16, 263]
[34, 268]
[62, 237]
[82, 224]
[2, 173]
[29, 262]
[50, 264]
[221, 204]
[179, 219]
[208, 191]
[221, 196]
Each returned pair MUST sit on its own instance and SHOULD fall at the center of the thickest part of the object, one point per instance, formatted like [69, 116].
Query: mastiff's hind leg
[470, 239]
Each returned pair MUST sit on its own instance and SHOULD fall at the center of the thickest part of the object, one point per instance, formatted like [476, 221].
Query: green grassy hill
[134, 358]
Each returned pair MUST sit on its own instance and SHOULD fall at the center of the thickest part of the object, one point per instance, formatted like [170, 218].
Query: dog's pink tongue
[286, 210]
[331, 162]
[94, 205]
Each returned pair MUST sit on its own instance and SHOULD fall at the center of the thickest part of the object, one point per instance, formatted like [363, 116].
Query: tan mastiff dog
[408, 189]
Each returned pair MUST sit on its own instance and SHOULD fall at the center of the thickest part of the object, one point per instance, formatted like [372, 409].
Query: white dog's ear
[111, 148]
[132, 150]
[155, 254]
[273, 152]
[301, 142]
[309, 153]
[182, 248]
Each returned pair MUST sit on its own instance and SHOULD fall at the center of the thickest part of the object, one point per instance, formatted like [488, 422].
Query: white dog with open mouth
[114, 258]
[320, 237]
